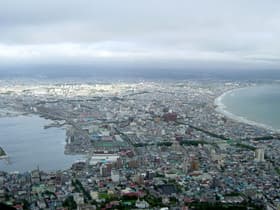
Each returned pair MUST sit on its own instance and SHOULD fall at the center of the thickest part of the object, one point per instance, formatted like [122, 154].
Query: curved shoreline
[4, 154]
[221, 108]
[3, 157]
[13, 161]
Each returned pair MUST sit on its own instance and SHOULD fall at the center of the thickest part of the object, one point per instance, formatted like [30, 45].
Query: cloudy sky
[241, 33]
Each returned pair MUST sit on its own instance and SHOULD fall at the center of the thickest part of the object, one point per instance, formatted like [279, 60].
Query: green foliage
[79, 188]
[223, 206]
[107, 197]
[278, 171]
[70, 203]
[6, 207]
[209, 133]
[173, 200]
[164, 143]
[205, 131]
[159, 175]
[25, 204]
[140, 145]
[245, 146]
[2, 152]
[233, 194]
[153, 201]
[48, 193]
[261, 138]
[192, 142]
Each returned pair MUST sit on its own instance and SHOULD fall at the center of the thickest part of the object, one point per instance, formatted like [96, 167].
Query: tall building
[35, 176]
[133, 163]
[259, 155]
[115, 176]
[194, 165]
[170, 116]
[105, 170]
[185, 165]
[176, 146]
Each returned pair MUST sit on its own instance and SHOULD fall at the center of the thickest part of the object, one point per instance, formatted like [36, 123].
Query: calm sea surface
[29, 145]
[260, 104]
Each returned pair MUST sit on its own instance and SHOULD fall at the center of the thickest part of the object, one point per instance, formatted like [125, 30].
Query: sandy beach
[221, 108]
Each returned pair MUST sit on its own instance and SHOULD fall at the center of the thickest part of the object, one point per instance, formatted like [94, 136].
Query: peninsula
[2, 153]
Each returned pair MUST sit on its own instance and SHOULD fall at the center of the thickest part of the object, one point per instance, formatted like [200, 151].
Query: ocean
[29, 145]
[258, 105]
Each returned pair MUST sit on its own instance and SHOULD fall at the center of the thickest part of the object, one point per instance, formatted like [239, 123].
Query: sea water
[259, 105]
[29, 145]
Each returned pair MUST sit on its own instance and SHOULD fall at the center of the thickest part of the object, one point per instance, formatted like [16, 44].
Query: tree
[70, 203]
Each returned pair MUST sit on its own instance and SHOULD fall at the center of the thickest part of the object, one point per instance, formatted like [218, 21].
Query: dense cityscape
[147, 145]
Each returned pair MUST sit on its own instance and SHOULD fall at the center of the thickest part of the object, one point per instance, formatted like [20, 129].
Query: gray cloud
[235, 31]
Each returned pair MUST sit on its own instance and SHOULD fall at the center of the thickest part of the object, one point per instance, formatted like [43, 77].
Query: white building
[142, 204]
[103, 158]
[259, 155]
[115, 176]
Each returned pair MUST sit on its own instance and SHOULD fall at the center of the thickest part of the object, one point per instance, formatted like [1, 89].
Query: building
[103, 158]
[105, 170]
[142, 204]
[115, 176]
[194, 166]
[259, 155]
[170, 116]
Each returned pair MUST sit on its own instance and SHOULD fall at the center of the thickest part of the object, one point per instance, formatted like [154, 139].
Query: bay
[29, 145]
[259, 105]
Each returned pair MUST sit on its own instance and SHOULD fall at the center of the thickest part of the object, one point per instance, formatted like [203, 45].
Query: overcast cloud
[240, 32]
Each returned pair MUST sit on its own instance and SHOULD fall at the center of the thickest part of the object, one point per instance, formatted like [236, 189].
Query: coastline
[3, 157]
[53, 140]
[3, 154]
[221, 108]
[10, 113]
